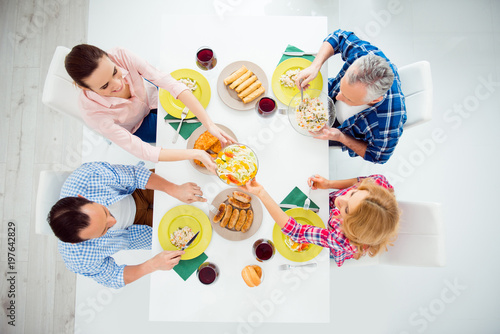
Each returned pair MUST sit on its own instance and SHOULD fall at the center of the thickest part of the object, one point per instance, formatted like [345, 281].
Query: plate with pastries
[240, 84]
[238, 215]
[203, 140]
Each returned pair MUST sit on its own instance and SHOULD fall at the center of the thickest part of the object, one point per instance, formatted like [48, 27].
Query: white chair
[59, 91]
[49, 190]
[416, 83]
[420, 240]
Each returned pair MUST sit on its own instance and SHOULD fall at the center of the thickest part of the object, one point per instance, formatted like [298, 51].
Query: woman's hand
[254, 188]
[207, 160]
[318, 182]
[188, 193]
[223, 137]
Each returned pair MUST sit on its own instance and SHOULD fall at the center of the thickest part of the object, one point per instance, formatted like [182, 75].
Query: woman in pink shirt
[115, 103]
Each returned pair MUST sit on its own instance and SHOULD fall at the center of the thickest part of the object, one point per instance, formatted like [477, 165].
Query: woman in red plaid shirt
[364, 216]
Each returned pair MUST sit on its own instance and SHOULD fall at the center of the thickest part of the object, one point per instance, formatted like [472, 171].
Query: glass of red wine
[263, 250]
[207, 273]
[205, 58]
[266, 106]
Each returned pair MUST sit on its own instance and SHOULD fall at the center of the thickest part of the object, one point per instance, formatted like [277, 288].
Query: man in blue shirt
[368, 98]
[103, 209]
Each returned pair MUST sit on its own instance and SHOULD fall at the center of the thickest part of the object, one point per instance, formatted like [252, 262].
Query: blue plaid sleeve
[104, 183]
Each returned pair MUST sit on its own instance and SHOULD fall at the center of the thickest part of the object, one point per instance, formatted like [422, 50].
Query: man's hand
[166, 260]
[329, 134]
[188, 193]
[307, 75]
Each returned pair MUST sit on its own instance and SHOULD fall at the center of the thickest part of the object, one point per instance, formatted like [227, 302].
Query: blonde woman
[364, 217]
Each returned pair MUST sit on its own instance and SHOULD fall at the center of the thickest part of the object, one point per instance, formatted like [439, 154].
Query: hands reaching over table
[306, 75]
[166, 260]
[223, 137]
[188, 193]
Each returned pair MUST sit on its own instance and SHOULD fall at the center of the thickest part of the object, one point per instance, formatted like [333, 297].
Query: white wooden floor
[34, 138]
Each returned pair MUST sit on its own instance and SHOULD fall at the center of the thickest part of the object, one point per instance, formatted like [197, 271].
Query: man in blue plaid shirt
[106, 208]
[367, 93]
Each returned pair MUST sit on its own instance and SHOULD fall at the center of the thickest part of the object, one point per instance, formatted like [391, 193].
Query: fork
[291, 266]
[301, 94]
[307, 202]
[183, 116]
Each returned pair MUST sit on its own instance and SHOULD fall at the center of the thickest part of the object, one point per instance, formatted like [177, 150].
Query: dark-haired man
[106, 208]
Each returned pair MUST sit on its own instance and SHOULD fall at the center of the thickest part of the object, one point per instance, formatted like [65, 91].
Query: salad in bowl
[315, 112]
[236, 164]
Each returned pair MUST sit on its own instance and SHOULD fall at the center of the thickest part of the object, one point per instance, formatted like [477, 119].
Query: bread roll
[236, 74]
[242, 197]
[254, 95]
[248, 222]
[227, 216]
[237, 204]
[246, 83]
[250, 89]
[234, 218]
[220, 213]
[238, 81]
[241, 220]
[250, 276]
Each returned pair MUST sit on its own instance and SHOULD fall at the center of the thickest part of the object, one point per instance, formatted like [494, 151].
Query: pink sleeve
[160, 79]
[123, 138]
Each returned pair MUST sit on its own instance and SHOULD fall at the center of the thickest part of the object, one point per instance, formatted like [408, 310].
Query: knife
[293, 206]
[185, 121]
[190, 241]
[299, 54]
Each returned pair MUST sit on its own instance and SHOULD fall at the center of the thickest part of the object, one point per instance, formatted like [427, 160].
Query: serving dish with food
[236, 215]
[313, 113]
[203, 140]
[240, 84]
[236, 164]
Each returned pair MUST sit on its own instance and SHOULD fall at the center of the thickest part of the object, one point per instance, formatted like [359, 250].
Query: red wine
[207, 275]
[205, 59]
[264, 251]
[266, 105]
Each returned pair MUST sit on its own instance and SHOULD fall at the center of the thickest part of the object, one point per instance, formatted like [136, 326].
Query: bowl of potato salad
[310, 115]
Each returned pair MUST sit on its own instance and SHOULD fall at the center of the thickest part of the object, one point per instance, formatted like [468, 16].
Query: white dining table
[286, 159]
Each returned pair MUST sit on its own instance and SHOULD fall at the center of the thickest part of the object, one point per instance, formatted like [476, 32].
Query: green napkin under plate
[297, 197]
[291, 48]
[186, 268]
[187, 128]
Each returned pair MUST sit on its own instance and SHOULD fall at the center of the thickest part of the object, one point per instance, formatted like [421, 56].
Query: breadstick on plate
[238, 81]
[236, 74]
[254, 95]
[246, 83]
[250, 89]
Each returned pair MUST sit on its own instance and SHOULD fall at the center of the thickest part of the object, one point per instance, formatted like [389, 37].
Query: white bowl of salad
[316, 112]
[236, 164]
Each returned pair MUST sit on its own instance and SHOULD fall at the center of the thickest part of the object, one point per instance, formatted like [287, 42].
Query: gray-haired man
[368, 98]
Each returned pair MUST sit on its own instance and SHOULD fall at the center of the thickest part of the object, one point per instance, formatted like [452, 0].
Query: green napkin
[186, 267]
[187, 128]
[297, 197]
[291, 48]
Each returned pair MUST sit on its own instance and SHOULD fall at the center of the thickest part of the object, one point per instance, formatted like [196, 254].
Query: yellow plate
[179, 217]
[285, 94]
[202, 92]
[304, 217]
